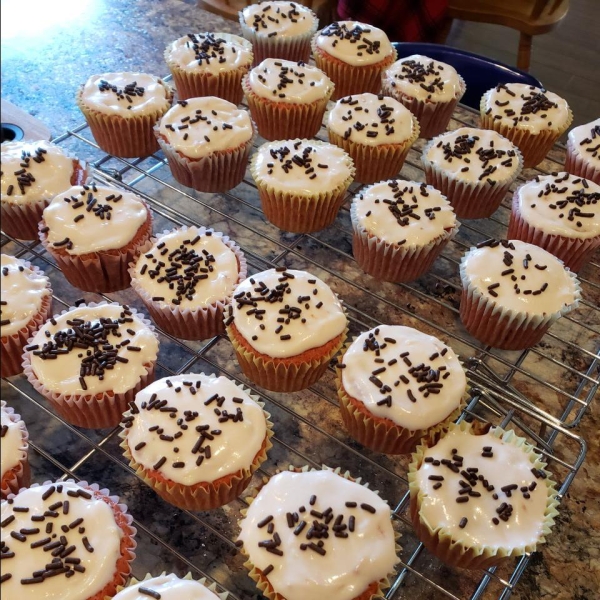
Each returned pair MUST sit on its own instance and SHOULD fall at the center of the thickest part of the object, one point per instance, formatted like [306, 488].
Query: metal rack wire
[542, 392]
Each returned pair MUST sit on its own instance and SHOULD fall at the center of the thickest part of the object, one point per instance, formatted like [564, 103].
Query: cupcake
[301, 183]
[394, 384]
[354, 55]
[531, 118]
[428, 88]
[15, 466]
[287, 99]
[73, 541]
[32, 174]
[583, 151]
[513, 292]
[202, 452]
[318, 534]
[207, 142]
[479, 498]
[399, 228]
[89, 362]
[121, 110]
[560, 213]
[473, 168]
[93, 233]
[279, 30]
[26, 302]
[170, 587]
[377, 132]
[285, 327]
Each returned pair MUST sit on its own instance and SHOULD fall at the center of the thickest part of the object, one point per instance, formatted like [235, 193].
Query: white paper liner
[576, 164]
[18, 475]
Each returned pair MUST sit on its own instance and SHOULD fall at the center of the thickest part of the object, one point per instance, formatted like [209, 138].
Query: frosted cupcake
[170, 587]
[353, 55]
[122, 109]
[32, 174]
[513, 292]
[301, 183]
[428, 88]
[286, 99]
[583, 151]
[531, 118]
[377, 132]
[14, 466]
[473, 168]
[399, 228]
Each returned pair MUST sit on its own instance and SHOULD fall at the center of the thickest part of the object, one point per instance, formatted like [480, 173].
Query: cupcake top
[200, 126]
[167, 587]
[41, 519]
[354, 43]
[526, 107]
[585, 140]
[279, 19]
[93, 218]
[93, 349]
[209, 52]
[373, 120]
[14, 444]
[296, 513]
[520, 277]
[22, 292]
[302, 167]
[126, 94]
[283, 312]
[404, 375]
[474, 155]
[189, 268]
[424, 78]
[217, 428]
[33, 171]
[561, 204]
[289, 82]
[403, 212]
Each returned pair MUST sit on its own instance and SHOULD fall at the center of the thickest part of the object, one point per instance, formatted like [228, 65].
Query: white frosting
[289, 82]
[100, 529]
[436, 388]
[371, 120]
[62, 375]
[126, 94]
[23, 291]
[210, 52]
[41, 168]
[383, 209]
[96, 231]
[355, 43]
[528, 290]
[170, 587]
[556, 211]
[585, 141]
[274, 166]
[526, 107]
[211, 262]
[12, 443]
[349, 564]
[192, 128]
[424, 78]
[230, 451]
[320, 315]
[285, 19]
[509, 465]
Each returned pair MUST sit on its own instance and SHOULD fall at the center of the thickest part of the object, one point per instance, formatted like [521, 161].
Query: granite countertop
[46, 56]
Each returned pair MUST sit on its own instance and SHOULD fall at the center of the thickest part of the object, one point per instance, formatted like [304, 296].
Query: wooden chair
[230, 8]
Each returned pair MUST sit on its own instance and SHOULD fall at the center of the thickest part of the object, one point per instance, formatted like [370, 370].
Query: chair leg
[524, 56]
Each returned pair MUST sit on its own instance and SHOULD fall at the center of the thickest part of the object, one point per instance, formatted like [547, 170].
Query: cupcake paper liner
[577, 165]
[455, 553]
[19, 475]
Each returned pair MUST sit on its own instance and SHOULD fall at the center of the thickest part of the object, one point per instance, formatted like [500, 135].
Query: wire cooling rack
[542, 392]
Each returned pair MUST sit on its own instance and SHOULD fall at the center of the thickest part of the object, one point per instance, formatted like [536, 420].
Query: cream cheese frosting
[126, 344]
[298, 513]
[93, 218]
[355, 43]
[22, 292]
[403, 212]
[285, 312]
[12, 441]
[167, 587]
[373, 120]
[71, 519]
[526, 107]
[200, 126]
[285, 19]
[217, 429]
[402, 374]
[585, 141]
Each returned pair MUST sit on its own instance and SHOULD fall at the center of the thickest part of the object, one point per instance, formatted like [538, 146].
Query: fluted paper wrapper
[17, 476]
[455, 553]
[576, 164]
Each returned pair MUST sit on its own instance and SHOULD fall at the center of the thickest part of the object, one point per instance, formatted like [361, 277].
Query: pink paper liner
[576, 164]
[18, 476]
